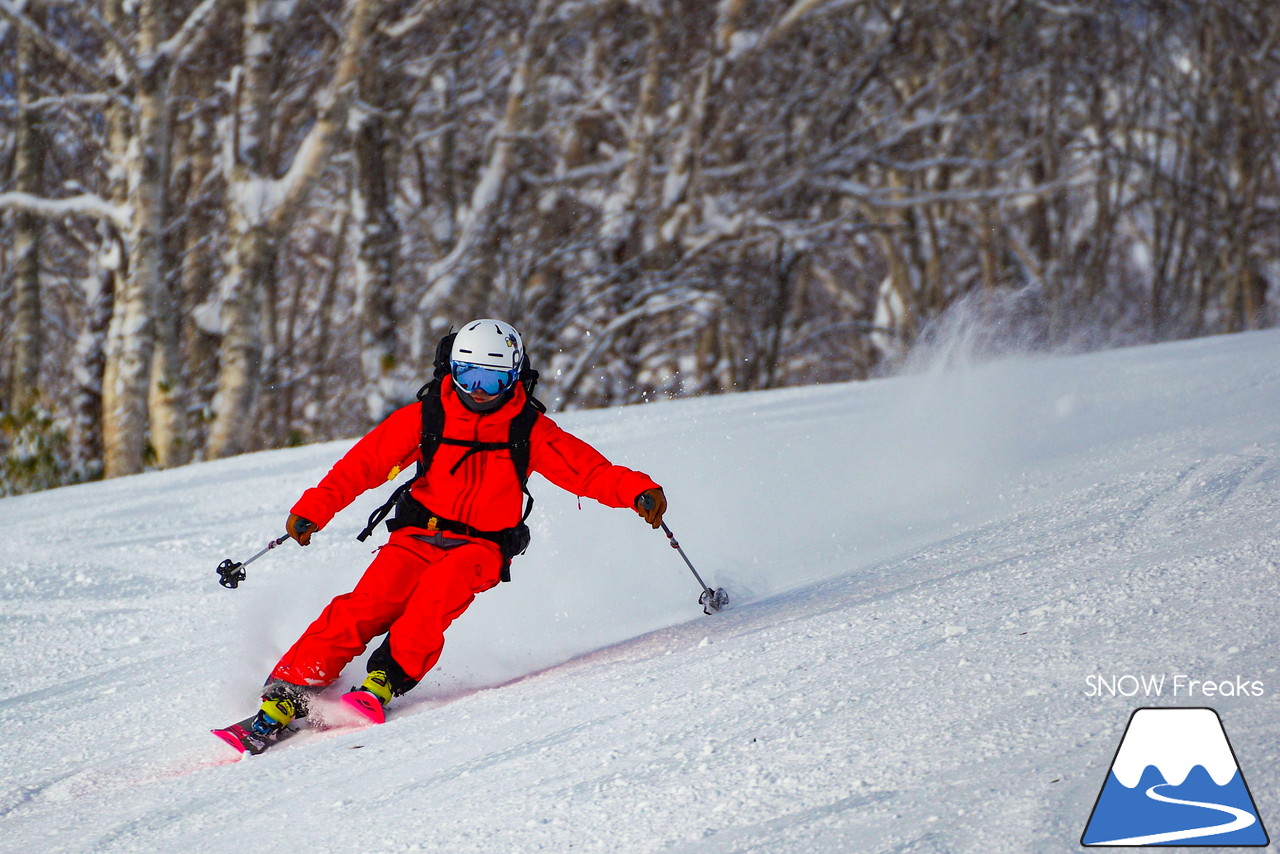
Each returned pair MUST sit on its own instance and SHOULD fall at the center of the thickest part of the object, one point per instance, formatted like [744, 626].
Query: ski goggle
[472, 378]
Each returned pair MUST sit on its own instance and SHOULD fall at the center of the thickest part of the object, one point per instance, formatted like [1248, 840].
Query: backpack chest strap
[475, 447]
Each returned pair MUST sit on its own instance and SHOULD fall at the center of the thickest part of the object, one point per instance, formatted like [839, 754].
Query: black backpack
[409, 512]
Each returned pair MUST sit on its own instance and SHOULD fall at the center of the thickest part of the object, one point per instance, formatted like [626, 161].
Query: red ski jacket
[484, 492]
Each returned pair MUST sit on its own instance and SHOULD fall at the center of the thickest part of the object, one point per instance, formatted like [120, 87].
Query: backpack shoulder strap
[433, 416]
[519, 441]
[518, 438]
[432, 422]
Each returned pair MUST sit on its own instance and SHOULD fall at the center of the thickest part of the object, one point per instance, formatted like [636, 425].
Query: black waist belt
[410, 513]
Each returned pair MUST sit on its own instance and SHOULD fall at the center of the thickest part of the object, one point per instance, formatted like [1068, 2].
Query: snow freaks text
[1170, 685]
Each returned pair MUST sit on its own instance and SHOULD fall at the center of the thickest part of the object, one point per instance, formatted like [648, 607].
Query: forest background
[228, 225]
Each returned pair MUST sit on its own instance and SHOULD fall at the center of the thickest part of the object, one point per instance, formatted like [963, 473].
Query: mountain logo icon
[1175, 781]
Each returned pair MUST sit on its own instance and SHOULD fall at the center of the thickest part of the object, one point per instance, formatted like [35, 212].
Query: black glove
[651, 504]
[300, 529]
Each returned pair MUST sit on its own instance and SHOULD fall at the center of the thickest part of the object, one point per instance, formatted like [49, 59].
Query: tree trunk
[261, 206]
[677, 191]
[379, 231]
[197, 263]
[91, 355]
[619, 214]
[170, 388]
[28, 166]
[131, 340]
[317, 387]
[250, 250]
[107, 270]
[250, 260]
[445, 275]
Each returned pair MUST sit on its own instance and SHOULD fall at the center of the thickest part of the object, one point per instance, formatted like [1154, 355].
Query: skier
[457, 525]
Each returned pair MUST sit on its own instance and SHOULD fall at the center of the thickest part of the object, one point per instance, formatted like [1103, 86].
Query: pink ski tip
[229, 739]
[366, 705]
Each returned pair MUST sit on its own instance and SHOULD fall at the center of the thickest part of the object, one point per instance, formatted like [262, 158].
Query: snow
[257, 199]
[1174, 742]
[195, 25]
[925, 572]
[84, 204]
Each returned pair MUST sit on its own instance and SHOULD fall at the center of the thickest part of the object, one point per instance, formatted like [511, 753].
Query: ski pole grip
[646, 502]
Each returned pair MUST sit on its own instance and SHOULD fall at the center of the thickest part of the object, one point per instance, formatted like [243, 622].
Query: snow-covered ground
[932, 577]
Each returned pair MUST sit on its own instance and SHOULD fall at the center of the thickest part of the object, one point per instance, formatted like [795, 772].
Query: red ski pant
[413, 590]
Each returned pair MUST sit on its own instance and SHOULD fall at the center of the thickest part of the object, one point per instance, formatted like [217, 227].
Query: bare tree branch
[86, 204]
[84, 70]
[192, 33]
[126, 54]
[410, 20]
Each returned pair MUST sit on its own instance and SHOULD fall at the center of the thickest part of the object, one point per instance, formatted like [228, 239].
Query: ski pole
[710, 600]
[231, 573]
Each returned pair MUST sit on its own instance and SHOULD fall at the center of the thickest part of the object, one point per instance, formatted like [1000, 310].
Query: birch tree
[142, 399]
[373, 202]
[28, 169]
[252, 218]
[476, 219]
[262, 203]
[131, 336]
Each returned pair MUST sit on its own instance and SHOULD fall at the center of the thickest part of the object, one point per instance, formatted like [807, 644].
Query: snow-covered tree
[235, 224]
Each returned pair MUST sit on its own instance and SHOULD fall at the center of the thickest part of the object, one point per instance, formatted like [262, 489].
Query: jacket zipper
[473, 480]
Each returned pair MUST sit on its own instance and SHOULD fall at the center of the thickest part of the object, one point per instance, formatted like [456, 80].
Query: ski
[365, 704]
[243, 739]
[357, 710]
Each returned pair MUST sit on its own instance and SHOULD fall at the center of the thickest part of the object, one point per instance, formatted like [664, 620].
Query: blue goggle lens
[472, 378]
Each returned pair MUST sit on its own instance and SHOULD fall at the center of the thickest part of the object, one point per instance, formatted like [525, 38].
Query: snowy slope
[927, 572]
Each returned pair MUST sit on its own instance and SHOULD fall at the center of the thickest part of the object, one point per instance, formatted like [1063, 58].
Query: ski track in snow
[1239, 821]
[924, 572]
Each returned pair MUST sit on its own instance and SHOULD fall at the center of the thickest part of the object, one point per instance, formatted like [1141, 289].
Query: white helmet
[488, 342]
[487, 356]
